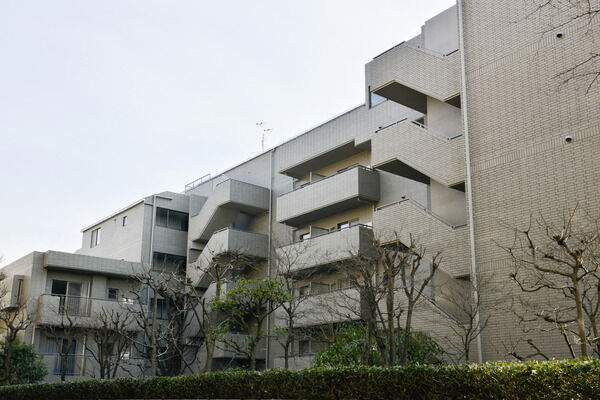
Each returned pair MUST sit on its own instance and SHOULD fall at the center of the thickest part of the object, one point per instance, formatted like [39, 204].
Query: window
[305, 236]
[19, 289]
[161, 308]
[303, 290]
[171, 219]
[347, 224]
[304, 346]
[376, 99]
[113, 293]
[96, 237]
[125, 220]
[163, 262]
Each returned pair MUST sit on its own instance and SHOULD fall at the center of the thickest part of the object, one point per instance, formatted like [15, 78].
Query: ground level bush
[578, 379]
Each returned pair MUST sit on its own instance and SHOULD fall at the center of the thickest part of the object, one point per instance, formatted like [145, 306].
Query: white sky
[105, 102]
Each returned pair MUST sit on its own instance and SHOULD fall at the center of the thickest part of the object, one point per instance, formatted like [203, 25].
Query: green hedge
[532, 380]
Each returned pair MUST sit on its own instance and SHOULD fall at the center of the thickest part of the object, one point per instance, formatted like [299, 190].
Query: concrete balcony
[227, 242]
[326, 249]
[223, 349]
[416, 152]
[78, 263]
[81, 312]
[326, 308]
[407, 74]
[408, 217]
[301, 361]
[347, 189]
[222, 207]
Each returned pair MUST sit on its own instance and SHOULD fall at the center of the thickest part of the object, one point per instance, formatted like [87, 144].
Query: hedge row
[532, 380]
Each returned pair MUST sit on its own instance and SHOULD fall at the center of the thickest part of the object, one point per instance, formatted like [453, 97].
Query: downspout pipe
[270, 246]
[469, 186]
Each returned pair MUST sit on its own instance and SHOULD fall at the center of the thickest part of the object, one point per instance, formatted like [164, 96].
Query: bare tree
[391, 280]
[466, 306]
[287, 261]
[110, 340]
[557, 14]
[562, 259]
[164, 312]
[215, 268]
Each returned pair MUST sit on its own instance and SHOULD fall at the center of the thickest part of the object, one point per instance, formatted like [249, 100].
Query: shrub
[350, 349]
[531, 380]
[25, 365]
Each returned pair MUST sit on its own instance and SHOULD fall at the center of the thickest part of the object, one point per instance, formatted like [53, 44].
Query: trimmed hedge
[531, 380]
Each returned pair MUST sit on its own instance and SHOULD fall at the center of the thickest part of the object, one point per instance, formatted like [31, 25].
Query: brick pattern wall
[406, 217]
[519, 114]
[428, 153]
[436, 76]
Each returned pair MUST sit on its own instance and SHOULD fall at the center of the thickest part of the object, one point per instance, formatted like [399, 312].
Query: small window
[126, 354]
[303, 291]
[376, 99]
[125, 220]
[305, 236]
[343, 225]
[19, 289]
[304, 346]
[96, 237]
[113, 293]
[161, 308]
[172, 219]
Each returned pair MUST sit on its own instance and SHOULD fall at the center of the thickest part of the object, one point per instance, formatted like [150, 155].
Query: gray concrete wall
[440, 33]
[443, 118]
[448, 203]
[117, 241]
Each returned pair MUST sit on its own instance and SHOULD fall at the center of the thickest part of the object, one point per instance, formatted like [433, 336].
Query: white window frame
[96, 235]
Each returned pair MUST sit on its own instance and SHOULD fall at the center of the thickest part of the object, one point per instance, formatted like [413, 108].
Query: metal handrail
[329, 232]
[392, 124]
[422, 126]
[428, 50]
[196, 183]
[83, 297]
[329, 176]
[422, 207]
[425, 49]
[435, 132]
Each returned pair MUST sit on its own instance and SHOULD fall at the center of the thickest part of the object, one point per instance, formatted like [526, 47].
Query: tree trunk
[153, 337]
[390, 323]
[210, 348]
[7, 359]
[286, 354]
[404, 353]
[580, 322]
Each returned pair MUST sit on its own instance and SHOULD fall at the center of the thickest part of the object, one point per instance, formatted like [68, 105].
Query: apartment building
[462, 132]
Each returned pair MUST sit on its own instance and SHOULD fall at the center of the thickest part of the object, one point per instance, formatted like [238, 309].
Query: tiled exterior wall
[519, 114]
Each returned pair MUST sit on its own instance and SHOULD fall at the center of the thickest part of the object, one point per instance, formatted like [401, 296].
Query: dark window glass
[376, 99]
[162, 215]
[172, 219]
[112, 293]
[162, 262]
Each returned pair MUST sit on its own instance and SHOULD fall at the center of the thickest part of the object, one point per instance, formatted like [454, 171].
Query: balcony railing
[346, 189]
[327, 248]
[69, 364]
[78, 311]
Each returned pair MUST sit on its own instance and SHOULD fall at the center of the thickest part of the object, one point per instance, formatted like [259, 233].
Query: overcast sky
[105, 102]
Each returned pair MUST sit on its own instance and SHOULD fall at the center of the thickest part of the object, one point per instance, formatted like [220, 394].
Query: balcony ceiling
[399, 168]
[326, 211]
[322, 160]
[404, 95]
